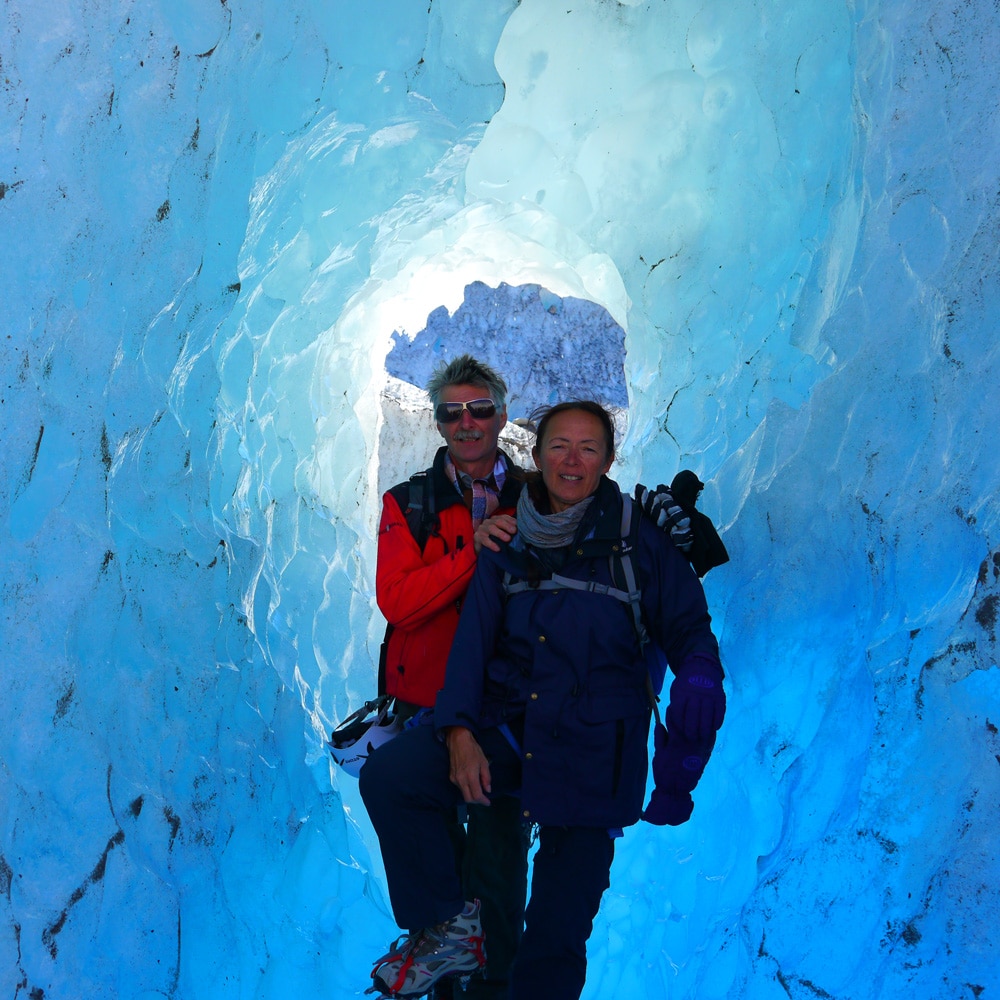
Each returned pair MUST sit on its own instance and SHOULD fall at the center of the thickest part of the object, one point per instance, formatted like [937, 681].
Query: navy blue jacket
[564, 667]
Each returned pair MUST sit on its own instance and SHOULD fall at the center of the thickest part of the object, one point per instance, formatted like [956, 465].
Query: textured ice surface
[213, 218]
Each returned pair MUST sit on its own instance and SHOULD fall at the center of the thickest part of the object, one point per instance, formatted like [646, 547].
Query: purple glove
[697, 701]
[677, 766]
[668, 808]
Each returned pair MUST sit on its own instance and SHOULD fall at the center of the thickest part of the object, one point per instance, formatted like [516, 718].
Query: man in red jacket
[420, 583]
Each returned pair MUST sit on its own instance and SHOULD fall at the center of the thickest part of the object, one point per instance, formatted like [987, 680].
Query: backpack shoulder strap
[621, 556]
[656, 665]
[420, 511]
[630, 535]
[622, 569]
[557, 582]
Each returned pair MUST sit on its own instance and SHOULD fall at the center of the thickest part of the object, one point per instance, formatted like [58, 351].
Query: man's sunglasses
[479, 409]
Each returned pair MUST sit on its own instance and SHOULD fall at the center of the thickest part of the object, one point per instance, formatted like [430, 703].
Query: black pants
[495, 871]
[410, 800]
[492, 861]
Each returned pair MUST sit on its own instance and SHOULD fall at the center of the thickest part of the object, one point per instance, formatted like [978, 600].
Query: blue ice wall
[213, 218]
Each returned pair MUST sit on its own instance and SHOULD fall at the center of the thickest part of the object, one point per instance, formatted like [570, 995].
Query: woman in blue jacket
[547, 697]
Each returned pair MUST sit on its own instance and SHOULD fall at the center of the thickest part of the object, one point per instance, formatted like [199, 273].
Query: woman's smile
[572, 457]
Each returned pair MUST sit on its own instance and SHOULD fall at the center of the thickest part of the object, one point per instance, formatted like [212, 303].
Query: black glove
[661, 508]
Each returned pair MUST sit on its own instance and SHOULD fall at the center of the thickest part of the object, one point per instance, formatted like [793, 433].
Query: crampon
[415, 963]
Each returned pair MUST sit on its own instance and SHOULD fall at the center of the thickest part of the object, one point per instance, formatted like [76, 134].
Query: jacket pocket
[611, 722]
[606, 704]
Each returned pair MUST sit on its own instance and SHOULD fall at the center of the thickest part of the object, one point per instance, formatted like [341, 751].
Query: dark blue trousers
[571, 871]
[410, 800]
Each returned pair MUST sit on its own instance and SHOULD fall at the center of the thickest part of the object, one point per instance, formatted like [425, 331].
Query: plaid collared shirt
[481, 496]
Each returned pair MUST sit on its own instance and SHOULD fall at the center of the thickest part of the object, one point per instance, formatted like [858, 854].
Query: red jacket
[420, 593]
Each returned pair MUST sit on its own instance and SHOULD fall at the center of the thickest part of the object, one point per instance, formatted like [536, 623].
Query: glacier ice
[215, 216]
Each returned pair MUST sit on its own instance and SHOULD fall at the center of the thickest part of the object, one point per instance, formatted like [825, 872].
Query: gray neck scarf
[548, 531]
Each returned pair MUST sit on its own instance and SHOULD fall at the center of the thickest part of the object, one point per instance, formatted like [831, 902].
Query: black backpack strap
[421, 517]
[557, 582]
[417, 501]
[383, 655]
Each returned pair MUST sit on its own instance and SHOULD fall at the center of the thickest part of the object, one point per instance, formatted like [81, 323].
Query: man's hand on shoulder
[493, 532]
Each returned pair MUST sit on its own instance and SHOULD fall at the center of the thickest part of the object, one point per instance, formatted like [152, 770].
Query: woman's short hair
[466, 370]
[541, 417]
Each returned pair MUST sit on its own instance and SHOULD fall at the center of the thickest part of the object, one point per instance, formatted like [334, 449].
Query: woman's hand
[493, 531]
[470, 770]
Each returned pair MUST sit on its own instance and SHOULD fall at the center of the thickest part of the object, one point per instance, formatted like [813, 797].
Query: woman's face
[572, 457]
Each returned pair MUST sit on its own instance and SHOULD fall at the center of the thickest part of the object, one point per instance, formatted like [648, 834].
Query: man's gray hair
[466, 370]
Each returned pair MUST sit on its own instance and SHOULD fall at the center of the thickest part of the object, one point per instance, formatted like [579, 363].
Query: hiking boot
[415, 963]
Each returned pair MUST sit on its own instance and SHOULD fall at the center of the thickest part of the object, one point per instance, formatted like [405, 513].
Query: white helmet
[360, 733]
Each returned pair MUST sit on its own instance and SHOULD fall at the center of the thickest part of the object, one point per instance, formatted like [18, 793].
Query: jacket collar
[445, 493]
[602, 522]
